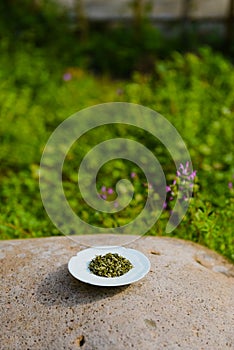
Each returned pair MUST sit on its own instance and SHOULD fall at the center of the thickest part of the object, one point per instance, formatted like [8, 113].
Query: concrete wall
[161, 9]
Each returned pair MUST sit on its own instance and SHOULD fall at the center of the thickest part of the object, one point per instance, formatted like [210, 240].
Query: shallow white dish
[78, 266]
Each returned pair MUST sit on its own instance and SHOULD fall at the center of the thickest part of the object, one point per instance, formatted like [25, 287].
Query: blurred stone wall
[160, 9]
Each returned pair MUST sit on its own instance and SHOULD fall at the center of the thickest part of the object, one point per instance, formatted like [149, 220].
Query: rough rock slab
[186, 301]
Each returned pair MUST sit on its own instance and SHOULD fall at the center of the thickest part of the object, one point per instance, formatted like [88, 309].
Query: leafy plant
[193, 91]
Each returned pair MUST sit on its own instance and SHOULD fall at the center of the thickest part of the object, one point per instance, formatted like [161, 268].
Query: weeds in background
[195, 92]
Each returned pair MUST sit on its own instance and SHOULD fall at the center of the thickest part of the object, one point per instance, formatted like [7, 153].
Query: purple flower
[119, 91]
[192, 175]
[184, 169]
[168, 189]
[103, 196]
[103, 189]
[230, 185]
[164, 205]
[133, 175]
[110, 191]
[67, 76]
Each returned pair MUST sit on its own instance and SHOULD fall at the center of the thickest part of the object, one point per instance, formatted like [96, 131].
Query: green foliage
[195, 92]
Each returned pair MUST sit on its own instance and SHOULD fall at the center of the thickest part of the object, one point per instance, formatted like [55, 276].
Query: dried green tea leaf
[110, 265]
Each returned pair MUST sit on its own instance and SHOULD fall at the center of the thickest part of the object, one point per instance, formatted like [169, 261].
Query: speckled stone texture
[186, 301]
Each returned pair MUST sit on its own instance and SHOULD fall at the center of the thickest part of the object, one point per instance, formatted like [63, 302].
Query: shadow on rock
[60, 288]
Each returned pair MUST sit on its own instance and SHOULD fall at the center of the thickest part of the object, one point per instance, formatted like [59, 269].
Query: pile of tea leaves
[110, 265]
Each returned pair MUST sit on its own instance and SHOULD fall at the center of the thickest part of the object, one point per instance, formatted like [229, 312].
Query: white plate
[78, 266]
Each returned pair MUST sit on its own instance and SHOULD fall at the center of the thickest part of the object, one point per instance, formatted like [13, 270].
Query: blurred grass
[39, 89]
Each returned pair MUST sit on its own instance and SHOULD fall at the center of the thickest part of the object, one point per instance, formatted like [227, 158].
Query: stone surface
[186, 301]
